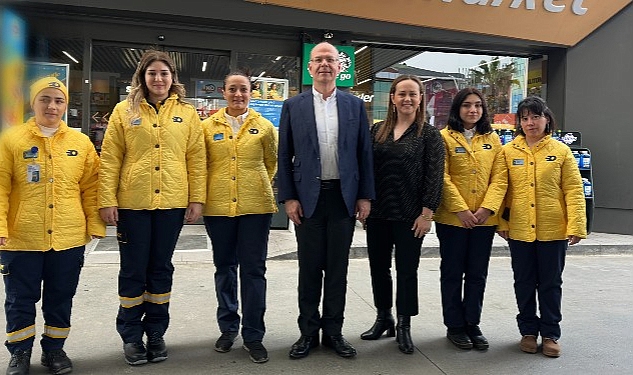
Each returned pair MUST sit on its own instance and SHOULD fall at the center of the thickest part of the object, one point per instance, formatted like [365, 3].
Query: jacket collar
[36, 129]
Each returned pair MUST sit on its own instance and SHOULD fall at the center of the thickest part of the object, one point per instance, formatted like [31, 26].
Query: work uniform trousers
[538, 269]
[465, 257]
[147, 239]
[29, 275]
[240, 241]
[323, 242]
[382, 236]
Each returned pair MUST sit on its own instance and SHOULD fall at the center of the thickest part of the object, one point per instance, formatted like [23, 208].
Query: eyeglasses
[319, 60]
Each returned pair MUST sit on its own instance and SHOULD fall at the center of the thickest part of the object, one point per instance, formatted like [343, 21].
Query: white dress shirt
[469, 134]
[236, 122]
[326, 115]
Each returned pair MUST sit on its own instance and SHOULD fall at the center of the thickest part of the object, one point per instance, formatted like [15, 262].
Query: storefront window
[61, 58]
[114, 66]
[274, 79]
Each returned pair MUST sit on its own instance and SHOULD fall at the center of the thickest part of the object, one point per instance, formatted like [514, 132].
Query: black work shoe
[135, 353]
[459, 338]
[341, 346]
[476, 337]
[301, 348]
[57, 362]
[156, 349]
[20, 362]
[256, 351]
[225, 342]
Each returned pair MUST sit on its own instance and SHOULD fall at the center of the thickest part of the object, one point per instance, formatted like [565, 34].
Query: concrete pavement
[597, 309]
[194, 245]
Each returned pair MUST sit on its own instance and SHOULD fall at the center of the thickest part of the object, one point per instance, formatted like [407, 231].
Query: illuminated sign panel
[563, 22]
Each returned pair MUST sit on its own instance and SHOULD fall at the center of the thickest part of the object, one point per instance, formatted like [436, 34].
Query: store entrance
[112, 68]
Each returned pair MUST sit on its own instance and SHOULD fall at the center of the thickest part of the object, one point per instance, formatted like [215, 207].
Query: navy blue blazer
[299, 172]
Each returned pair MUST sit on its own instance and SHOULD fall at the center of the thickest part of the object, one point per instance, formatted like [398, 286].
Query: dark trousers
[54, 275]
[323, 243]
[465, 257]
[538, 268]
[240, 241]
[382, 236]
[147, 239]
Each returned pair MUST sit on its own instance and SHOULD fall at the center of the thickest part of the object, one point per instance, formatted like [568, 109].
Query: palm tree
[495, 82]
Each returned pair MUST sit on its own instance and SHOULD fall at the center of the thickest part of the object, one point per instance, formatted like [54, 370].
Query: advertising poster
[439, 95]
[37, 70]
[270, 109]
[12, 55]
[267, 97]
[346, 77]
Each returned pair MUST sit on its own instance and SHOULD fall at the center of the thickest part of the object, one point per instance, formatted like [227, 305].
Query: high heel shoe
[384, 323]
[403, 334]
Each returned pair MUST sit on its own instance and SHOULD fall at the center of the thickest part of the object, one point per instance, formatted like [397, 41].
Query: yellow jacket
[472, 177]
[240, 167]
[545, 193]
[57, 207]
[155, 162]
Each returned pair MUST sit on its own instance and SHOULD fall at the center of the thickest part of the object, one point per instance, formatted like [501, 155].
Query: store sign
[554, 6]
[346, 58]
[564, 22]
[207, 88]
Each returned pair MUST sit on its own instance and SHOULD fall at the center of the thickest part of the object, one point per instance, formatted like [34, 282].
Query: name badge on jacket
[460, 150]
[518, 162]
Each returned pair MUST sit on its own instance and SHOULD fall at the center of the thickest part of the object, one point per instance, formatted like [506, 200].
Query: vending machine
[583, 158]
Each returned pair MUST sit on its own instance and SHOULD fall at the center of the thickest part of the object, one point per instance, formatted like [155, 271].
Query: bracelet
[427, 218]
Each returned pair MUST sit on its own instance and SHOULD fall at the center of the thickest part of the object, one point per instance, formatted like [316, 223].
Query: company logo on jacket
[486, 146]
[72, 153]
[550, 158]
[176, 119]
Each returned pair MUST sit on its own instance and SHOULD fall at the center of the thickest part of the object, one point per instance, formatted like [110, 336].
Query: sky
[445, 62]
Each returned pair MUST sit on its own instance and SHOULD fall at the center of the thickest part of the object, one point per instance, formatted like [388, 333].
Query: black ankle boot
[384, 322]
[403, 334]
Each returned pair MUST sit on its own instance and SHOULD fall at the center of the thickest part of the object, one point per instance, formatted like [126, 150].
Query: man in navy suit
[325, 179]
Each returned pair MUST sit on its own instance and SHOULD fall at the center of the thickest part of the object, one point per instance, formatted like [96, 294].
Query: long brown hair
[392, 113]
[454, 119]
[139, 89]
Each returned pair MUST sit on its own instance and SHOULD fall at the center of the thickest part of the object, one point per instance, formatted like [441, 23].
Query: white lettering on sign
[553, 6]
[365, 97]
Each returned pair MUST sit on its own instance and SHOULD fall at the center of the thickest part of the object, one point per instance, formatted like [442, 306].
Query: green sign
[347, 59]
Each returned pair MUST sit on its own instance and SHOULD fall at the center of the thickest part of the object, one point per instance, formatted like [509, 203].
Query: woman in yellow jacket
[475, 183]
[241, 161]
[152, 179]
[48, 212]
[545, 209]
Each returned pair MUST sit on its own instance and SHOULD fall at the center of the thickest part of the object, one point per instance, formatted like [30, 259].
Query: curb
[497, 251]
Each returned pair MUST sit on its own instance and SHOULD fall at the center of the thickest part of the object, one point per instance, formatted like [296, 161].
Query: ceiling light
[361, 49]
[261, 74]
[364, 81]
[204, 66]
[70, 57]
[278, 58]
